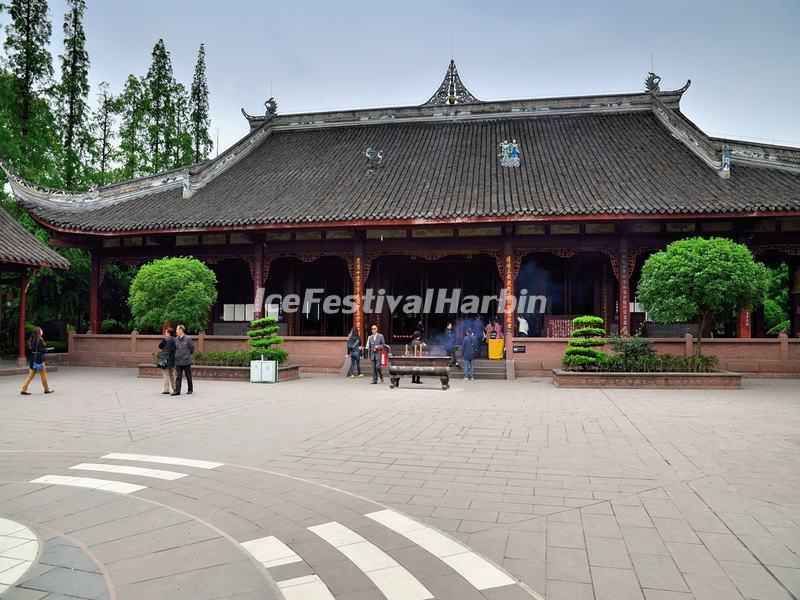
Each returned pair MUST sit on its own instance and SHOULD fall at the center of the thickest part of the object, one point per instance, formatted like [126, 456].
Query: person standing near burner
[375, 344]
[417, 348]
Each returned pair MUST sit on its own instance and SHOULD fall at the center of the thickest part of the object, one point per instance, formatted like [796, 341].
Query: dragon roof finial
[651, 84]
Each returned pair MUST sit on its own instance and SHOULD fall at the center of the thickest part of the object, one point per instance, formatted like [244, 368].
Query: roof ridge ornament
[652, 83]
[452, 90]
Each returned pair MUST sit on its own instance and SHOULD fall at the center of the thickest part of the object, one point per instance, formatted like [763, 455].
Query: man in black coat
[375, 343]
[184, 348]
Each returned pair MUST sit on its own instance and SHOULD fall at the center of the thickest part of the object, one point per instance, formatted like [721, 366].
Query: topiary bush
[582, 353]
[702, 280]
[174, 290]
[263, 336]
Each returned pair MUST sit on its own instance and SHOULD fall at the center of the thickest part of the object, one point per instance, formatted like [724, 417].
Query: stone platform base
[722, 379]
[285, 373]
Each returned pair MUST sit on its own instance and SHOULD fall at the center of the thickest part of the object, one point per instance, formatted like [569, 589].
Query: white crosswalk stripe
[120, 487]
[308, 587]
[478, 571]
[394, 581]
[126, 470]
[167, 460]
[271, 552]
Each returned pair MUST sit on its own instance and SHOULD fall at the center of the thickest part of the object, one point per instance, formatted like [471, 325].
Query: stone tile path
[327, 487]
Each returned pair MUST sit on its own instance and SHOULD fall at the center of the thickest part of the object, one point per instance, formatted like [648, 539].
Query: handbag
[162, 363]
[37, 366]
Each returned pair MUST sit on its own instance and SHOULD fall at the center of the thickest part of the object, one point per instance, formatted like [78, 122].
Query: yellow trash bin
[496, 349]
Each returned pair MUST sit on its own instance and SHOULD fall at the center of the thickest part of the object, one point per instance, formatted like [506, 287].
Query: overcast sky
[742, 55]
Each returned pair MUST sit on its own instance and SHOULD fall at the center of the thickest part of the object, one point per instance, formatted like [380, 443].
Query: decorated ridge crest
[509, 153]
[452, 90]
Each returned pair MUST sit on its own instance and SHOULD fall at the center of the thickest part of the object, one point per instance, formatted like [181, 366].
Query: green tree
[701, 279]
[27, 40]
[102, 129]
[175, 290]
[198, 103]
[180, 126]
[161, 120]
[28, 118]
[73, 93]
[132, 107]
[776, 306]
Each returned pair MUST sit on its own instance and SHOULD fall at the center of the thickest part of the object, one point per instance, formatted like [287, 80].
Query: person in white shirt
[523, 326]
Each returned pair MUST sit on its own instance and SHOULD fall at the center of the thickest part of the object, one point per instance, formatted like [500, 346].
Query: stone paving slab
[579, 493]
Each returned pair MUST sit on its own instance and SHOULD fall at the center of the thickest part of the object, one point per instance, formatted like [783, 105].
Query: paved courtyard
[331, 488]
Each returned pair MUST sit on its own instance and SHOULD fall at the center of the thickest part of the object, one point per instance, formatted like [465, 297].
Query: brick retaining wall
[774, 357]
[313, 354]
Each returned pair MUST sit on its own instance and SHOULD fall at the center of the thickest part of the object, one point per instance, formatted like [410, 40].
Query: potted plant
[264, 357]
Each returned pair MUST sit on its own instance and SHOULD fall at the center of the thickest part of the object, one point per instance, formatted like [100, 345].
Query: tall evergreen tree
[27, 38]
[133, 133]
[181, 128]
[103, 120]
[198, 104]
[160, 88]
[73, 94]
[31, 69]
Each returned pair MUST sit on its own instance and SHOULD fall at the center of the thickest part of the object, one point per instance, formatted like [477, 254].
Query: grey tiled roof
[585, 164]
[20, 247]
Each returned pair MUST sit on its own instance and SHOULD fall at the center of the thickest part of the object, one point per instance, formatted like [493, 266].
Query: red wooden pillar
[94, 293]
[509, 313]
[358, 287]
[258, 278]
[23, 305]
[624, 288]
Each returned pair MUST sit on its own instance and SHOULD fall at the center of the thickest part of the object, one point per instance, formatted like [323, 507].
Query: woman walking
[38, 350]
[354, 350]
[167, 360]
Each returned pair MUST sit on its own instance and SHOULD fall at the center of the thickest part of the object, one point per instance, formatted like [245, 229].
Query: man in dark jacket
[450, 345]
[469, 350]
[375, 343]
[184, 348]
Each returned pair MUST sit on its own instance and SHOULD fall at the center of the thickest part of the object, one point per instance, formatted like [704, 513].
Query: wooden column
[509, 314]
[94, 293]
[624, 287]
[291, 318]
[358, 287]
[23, 305]
[607, 296]
[258, 277]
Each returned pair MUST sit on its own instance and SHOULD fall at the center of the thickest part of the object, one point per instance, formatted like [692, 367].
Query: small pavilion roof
[18, 246]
